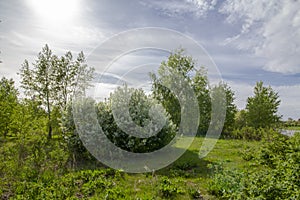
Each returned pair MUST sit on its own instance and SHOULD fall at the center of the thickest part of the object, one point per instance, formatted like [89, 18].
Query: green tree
[39, 81]
[140, 114]
[52, 81]
[70, 75]
[8, 101]
[231, 108]
[201, 87]
[197, 79]
[262, 108]
[28, 118]
[241, 119]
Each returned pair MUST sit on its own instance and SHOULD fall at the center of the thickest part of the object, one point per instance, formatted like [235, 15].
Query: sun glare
[55, 11]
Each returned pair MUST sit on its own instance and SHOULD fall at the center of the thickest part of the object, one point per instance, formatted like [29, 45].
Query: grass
[191, 173]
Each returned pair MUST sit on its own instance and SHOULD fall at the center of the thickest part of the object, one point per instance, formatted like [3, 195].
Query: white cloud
[271, 29]
[176, 8]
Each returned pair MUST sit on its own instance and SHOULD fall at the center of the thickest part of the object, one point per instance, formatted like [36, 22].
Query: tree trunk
[50, 131]
[49, 118]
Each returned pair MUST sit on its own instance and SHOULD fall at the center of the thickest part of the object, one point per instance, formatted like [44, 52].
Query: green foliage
[195, 193]
[82, 184]
[32, 167]
[139, 110]
[262, 107]
[168, 188]
[70, 136]
[278, 177]
[52, 81]
[70, 76]
[250, 133]
[198, 80]
[30, 161]
[39, 81]
[240, 119]
[185, 66]
[226, 183]
[231, 109]
[28, 119]
[181, 64]
[8, 102]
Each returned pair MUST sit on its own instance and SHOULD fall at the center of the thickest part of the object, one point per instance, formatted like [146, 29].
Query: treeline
[50, 82]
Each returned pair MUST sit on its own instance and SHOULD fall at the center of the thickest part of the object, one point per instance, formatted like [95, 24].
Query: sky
[247, 40]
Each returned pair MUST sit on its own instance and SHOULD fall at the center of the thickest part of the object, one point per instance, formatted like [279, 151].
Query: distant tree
[241, 119]
[262, 108]
[231, 108]
[8, 101]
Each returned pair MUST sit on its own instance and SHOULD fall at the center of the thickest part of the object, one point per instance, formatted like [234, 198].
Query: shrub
[77, 185]
[278, 176]
[250, 133]
[139, 110]
[168, 188]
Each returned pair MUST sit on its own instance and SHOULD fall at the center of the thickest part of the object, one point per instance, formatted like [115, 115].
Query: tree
[241, 119]
[201, 87]
[8, 101]
[70, 75]
[52, 80]
[39, 81]
[262, 108]
[143, 119]
[179, 63]
[196, 78]
[28, 118]
[231, 108]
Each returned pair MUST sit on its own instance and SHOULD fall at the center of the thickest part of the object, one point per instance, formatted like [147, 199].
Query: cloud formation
[176, 8]
[270, 29]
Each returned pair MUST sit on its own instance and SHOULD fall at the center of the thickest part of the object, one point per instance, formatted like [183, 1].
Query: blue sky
[248, 40]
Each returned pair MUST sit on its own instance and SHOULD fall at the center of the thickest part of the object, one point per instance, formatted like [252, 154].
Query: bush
[169, 189]
[278, 177]
[78, 185]
[250, 133]
[140, 112]
[28, 164]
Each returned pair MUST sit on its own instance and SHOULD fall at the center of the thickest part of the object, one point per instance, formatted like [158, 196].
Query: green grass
[189, 172]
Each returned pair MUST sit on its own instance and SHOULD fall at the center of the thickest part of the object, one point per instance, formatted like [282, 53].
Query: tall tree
[53, 80]
[197, 79]
[70, 75]
[262, 108]
[202, 89]
[39, 81]
[8, 101]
